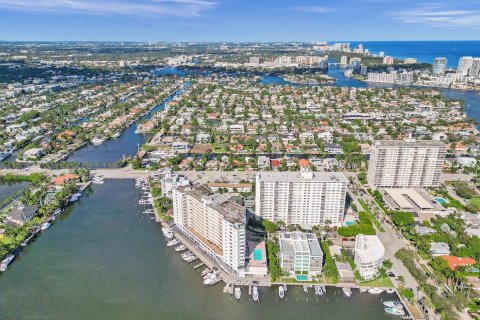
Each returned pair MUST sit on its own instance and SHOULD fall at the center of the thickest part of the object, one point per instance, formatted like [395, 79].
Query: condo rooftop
[293, 243]
[292, 176]
[409, 143]
[231, 211]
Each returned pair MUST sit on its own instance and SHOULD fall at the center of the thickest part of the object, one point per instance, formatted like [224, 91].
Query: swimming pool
[301, 277]
[349, 223]
[441, 200]
[257, 255]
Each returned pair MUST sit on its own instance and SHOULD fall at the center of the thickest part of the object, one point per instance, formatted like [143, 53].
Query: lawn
[383, 282]
[475, 202]
[219, 148]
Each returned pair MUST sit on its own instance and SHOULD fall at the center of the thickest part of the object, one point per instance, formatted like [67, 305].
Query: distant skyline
[237, 20]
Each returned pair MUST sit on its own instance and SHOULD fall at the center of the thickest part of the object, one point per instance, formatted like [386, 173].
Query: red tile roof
[455, 262]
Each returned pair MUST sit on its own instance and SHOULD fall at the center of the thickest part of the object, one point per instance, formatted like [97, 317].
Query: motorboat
[375, 290]
[180, 248]
[281, 292]
[211, 277]
[45, 226]
[116, 135]
[4, 155]
[395, 311]
[363, 289]
[205, 272]
[255, 294]
[390, 290]
[238, 293]
[74, 198]
[391, 304]
[167, 232]
[172, 243]
[347, 292]
[98, 180]
[305, 288]
[5, 262]
[98, 141]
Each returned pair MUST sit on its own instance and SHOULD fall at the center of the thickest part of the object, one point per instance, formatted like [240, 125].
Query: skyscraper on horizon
[440, 66]
[464, 65]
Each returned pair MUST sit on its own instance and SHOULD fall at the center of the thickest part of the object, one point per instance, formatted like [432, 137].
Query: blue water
[424, 51]
[115, 149]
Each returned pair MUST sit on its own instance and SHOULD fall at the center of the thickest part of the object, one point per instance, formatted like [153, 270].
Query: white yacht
[172, 242]
[347, 292]
[375, 290]
[255, 294]
[180, 248]
[5, 262]
[281, 292]
[98, 141]
[167, 232]
[391, 304]
[238, 293]
[98, 180]
[45, 226]
[74, 198]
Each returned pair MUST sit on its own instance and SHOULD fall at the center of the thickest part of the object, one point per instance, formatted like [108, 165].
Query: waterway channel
[104, 259]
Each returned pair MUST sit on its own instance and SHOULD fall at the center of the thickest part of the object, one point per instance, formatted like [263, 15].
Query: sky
[238, 20]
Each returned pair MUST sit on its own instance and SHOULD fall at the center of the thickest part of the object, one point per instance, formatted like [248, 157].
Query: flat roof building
[301, 198]
[214, 223]
[406, 163]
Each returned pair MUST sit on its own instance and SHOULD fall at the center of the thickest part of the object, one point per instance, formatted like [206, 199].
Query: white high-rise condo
[464, 65]
[439, 66]
[214, 223]
[301, 198]
[406, 163]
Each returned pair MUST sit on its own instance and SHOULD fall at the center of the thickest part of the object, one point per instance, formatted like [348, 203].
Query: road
[393, 241]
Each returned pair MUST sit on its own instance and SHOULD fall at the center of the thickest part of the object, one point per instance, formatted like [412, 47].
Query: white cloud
[439, 15]
[312, 9]
[119, 7]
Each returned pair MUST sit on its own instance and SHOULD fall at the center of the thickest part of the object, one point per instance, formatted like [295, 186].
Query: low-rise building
[300, 253]
[171, 181]
[369, 254]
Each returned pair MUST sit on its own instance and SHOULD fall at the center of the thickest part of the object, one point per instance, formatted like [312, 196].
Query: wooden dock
[198, 265]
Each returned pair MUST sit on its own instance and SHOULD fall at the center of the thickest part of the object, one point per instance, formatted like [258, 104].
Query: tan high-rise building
[214, 223]
[406, 163]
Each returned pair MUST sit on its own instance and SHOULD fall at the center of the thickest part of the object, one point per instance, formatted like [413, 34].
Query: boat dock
[85, 186]
[198, 265]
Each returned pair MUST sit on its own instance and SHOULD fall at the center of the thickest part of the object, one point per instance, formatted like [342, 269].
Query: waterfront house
[61, 180]
[20, 215]
[438, 249]
[455, 262]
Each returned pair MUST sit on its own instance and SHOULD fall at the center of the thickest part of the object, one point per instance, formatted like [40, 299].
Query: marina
[80, 260]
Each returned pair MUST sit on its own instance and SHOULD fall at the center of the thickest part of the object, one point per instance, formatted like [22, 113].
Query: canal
[8, 188]
[129, 142]
[124, 146]
[103, 259]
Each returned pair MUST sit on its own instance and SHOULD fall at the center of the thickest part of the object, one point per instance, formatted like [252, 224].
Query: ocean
[424, 51]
